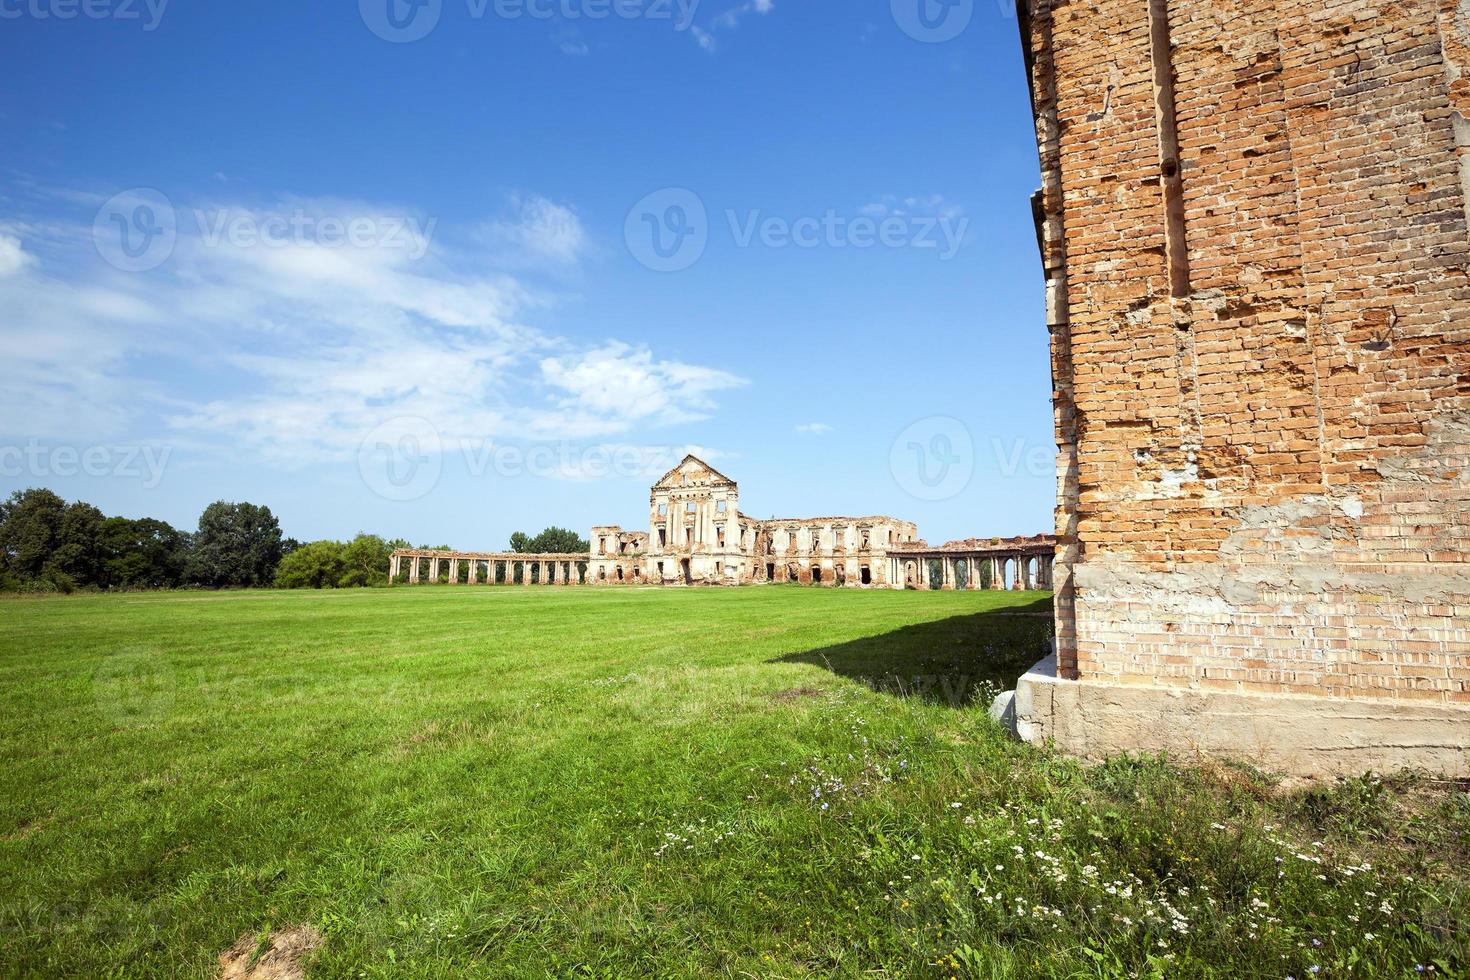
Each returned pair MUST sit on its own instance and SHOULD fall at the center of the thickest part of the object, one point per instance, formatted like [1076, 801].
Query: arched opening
[865, 575]
[816, 574]
[962, 574]
[687, 571]
[620, 573]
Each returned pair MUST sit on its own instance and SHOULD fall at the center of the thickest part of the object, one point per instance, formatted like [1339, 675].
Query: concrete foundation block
[1300, 736]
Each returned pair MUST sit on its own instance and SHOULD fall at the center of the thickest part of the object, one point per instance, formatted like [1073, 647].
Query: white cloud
[615, 385]
[13, 257]
[538, 229]
[729, 20]
[895, 206]
[814, 428]
[289, 353]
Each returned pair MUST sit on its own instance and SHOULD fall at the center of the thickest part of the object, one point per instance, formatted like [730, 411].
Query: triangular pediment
[692, 470]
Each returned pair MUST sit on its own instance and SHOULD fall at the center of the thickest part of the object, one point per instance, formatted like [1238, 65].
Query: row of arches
[1017, 573]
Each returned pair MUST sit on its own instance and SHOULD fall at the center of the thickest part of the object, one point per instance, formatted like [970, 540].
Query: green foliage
[360, 563]
[237, 545]
[365, 562]
[664, 783]
[141, 554]
[31, 532]
[552, 541]
[318, 565]
[48, 545]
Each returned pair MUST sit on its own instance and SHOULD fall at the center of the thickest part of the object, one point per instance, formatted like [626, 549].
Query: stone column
[434, 571]
[413, 571]
[474, 574]
[392, 569]
[454, 571]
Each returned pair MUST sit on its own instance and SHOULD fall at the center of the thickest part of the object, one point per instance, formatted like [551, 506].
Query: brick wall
[1253, 223]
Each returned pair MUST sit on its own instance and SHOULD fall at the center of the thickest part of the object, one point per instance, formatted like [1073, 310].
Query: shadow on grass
[955, 662]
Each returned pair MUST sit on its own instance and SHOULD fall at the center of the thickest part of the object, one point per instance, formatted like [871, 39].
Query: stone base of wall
[1301, 736]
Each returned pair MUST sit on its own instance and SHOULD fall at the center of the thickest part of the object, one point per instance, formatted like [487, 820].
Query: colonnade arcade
[475, 568]
[1017, 565]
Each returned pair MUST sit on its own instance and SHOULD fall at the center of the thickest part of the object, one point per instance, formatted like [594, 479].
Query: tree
[77, 558]
[29, 536]
[365, 562]
[552, 541]
[141, 554]
[236, 545]
[318, 565]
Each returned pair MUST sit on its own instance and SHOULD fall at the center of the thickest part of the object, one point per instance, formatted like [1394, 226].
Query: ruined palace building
[698, 536]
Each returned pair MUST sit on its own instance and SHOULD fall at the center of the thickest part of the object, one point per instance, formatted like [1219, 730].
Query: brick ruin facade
[698, 536]
[1253, 229]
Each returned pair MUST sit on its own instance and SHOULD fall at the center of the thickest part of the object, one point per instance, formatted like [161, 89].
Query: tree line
[50, 545]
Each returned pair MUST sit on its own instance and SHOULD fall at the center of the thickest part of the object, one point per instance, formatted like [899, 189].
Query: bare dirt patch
[281, 956]
[797, 693]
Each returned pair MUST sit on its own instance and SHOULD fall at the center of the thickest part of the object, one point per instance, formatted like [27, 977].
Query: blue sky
[300, 255]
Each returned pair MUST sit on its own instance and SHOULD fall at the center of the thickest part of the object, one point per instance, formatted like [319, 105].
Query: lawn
[764, 782]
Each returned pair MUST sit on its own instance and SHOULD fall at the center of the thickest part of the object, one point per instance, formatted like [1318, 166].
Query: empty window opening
[866, 575]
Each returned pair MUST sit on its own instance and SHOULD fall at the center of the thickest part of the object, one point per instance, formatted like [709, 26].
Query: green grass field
[766, 782]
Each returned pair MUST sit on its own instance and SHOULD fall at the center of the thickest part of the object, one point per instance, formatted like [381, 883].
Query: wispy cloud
[913, 205]
[536, 229]
[728, 20]
[814, 428]
[290, 352]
